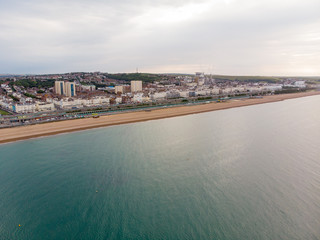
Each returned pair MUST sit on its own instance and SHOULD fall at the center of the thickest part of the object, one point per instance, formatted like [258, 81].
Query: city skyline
[220, 37]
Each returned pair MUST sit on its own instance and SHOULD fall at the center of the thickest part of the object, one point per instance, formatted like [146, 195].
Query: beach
[46, 129]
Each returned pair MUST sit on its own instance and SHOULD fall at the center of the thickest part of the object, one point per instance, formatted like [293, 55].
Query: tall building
[199, 78]
[59, 87]
[136, 86]
[65, 88]
[70, 89]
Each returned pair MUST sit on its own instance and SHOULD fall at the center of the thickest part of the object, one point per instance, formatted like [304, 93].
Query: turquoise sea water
[243, 173]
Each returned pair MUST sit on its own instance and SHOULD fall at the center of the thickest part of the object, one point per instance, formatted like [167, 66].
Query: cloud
[226, 36]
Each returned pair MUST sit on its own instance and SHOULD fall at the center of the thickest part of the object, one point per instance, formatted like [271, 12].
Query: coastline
[53, 128]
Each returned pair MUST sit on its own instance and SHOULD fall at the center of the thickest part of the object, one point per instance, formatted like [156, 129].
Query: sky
[231, 37]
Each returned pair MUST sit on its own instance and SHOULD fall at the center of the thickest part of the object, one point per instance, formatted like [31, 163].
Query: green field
[247, 78]
[4, 112]
[145, 77]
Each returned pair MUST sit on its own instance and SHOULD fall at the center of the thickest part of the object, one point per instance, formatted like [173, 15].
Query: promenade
[52, 128]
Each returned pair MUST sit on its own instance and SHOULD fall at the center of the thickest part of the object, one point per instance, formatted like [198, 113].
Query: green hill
[247, 78]
[145, 77]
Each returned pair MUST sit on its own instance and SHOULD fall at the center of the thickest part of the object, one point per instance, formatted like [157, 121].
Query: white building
[17, 95]
[136, 86]
[24, 108]
[227, 90]
[88, 87]
[79, 103]
[202, 92]
[44, 107]
[272, 88]
[215, 91]
[100, 100]
[300, 84]
[184, 94]
[137, 97]
[172, 94]
[254, 89]
[6, 102]
[158, 95]
[119, 100]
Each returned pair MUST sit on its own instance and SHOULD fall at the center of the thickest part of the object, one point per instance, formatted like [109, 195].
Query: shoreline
[47, 129]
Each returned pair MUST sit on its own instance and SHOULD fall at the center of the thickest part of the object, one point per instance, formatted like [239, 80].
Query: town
[98, 92]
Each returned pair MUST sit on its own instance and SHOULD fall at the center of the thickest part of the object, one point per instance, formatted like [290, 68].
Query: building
[118, 89]
[90, 88]
[118, 100]
[24, 108]
[122, 89]
[300, 84]
[70, 89]
[65, 88]
[59, 87]
[136, 86]
[44, 107]
[73, 103]
[137, 97]
[159, 96]
[199, 78]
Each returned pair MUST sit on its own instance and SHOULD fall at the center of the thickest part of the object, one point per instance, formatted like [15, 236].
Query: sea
[245, 173]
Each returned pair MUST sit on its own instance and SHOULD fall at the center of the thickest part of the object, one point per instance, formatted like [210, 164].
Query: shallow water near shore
[245, 173]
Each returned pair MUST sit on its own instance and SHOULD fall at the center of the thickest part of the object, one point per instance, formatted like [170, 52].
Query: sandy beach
[46, 129]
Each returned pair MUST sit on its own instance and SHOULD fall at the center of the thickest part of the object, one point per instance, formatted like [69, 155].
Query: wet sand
[46, 129]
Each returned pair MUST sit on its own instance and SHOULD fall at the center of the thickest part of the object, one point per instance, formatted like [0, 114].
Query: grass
[247, 78]
[145, 77]
[4, 112]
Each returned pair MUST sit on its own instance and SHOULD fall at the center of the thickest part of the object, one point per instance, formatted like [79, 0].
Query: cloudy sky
[240, 37]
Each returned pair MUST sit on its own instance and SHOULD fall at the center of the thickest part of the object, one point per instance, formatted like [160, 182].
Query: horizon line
[175, 73]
